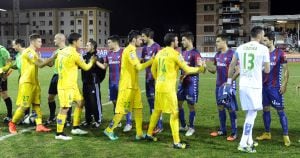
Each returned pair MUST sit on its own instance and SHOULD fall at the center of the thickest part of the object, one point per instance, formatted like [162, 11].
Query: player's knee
[220, 107]
[192, 107]
[4, 95]
[51, 98]
[180, 104]
[267, 109]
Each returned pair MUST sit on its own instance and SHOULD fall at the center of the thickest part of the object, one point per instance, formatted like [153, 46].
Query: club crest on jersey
[30, 55]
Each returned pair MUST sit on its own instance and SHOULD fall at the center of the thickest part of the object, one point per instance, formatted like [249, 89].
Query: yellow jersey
[68, 60]
[130, 65]
[29, 71]
[165, 69]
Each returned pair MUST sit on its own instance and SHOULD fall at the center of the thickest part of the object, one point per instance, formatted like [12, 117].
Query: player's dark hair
[94, 44]
[133, 34]
[256, 30]
[270, 35]
[189, 36]
[73, 37]
[148, 32]
[114, 38]
[222, 36]
[34, 37]
[169, 38]
[20, 42]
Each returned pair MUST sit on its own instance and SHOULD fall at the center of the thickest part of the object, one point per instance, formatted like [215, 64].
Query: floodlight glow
[3, 10]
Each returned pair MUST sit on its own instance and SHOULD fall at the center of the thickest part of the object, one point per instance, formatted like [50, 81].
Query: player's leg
[222, 119]
[153, 122]
[113, 94]
[246, 139]
[88, 101]
[233, 118]
[24, 100]
[61, 119]
[192, 99]
[137, 109]
[123, 105]
[128, 125]
[181, 98]
[266, 135]
[150, 95]
[7, 100]
[52, 92]
[97, 107]
[278, 104]
[36, 101]
[77, 113]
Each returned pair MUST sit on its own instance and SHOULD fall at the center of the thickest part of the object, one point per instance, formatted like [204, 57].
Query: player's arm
[266, 60]
[211, 68]
[6, 67]
[236, 73]
[285, 78]
[80, 62]
[102, 65]
[232, 67]
[42, 63]
[133, 59]
[154, 69]
[187, 69]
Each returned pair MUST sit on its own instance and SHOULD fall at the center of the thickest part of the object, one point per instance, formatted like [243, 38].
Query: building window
[5, 33]
[33, 23]
[50, 14]
[72, 31]
[208, 7]
[91, 13]
[99, 41]
[72, 22]
[79, 22]
[91, 31]
[50, 32]
[6, 15]
[99, 22]
[208, 28]
[254, 5]
[206, 49]
[33, 14]
[27, 15]
[43, 41]
[105, 33]
[71, 13]
[50, 23]
[105, 41]
[41, 14]
[209, 40]
[33, 31]
[42, 23]
[62, 23]
[80, 13]
[90, 22]
[79, 31]
[100, 31]
[105, 14]
[100, 13]
[208, 18]
[62, 14]
[105, 24]
[62, 31]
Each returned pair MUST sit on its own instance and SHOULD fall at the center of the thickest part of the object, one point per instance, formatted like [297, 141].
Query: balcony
[231, 42]
[231, 21]
[231, 10]
[233, 31]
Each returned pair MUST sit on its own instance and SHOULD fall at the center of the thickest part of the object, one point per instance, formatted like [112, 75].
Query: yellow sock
[153, 121]
[76, 117]
[61, 119]
[38, 112]
[114, 123]
[138, 116]
[174, 123]
[18, 115]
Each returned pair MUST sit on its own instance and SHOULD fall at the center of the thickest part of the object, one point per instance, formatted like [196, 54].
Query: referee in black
[91, 87]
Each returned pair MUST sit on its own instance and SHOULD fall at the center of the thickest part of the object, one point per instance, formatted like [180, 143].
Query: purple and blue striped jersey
[113, 59]
[190, 57]
[147, 54]
[277, 58]
[222, 62]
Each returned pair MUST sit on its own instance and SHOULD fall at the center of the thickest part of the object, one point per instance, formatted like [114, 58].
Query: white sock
[247, 130]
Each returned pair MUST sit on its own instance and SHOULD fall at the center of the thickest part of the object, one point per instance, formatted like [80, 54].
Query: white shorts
[251, 98]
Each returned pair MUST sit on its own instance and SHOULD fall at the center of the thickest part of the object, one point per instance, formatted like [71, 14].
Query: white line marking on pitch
[19, 132]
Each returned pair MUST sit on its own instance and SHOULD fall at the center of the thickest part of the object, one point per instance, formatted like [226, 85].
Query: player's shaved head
[60, 36]
[256, 30]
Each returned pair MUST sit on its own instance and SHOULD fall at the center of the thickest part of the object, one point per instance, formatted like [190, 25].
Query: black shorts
[3, 85]
[53, 85]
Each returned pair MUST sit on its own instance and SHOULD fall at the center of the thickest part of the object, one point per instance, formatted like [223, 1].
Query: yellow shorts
[128, 99]
[28, 94]
[68, 96]
[166, 102]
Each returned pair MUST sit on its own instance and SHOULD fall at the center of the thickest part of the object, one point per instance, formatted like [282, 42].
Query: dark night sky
[137, 14]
